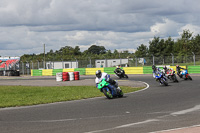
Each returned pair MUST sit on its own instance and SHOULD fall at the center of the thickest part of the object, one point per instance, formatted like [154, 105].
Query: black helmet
[98, 73]
[165, 68]
[153, 67]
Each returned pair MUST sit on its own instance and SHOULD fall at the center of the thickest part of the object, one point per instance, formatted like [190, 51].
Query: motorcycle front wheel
[164, 82]
[175, 78]
[120, 93]
[108, 93]
[189, 77]
[126, 76]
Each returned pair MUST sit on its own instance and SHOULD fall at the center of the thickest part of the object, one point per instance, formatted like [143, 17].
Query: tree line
[69, 53]
[187, 44]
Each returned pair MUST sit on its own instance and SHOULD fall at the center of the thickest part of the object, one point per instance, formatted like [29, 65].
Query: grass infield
[13, 96]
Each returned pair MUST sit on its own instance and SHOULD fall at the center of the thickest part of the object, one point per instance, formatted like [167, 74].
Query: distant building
[111, 62]
[98, 63]
[61, 65]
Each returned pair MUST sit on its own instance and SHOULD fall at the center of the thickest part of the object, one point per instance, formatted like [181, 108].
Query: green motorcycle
[109, 90]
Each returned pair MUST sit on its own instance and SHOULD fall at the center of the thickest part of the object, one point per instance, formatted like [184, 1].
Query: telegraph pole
[44, 58]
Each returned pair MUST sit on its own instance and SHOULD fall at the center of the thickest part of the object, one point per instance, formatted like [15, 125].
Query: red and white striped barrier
[68, 76]
[65, 76]
[76, 75]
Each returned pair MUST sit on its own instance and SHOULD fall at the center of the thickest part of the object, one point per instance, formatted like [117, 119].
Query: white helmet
[98, 73]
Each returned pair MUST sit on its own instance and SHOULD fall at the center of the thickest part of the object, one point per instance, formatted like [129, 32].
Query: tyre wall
[67, 76]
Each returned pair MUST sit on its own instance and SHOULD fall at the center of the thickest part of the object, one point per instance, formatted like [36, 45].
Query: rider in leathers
[165, 69]
[118, 71]
[156, 71]
[178, 70]
[100, 76]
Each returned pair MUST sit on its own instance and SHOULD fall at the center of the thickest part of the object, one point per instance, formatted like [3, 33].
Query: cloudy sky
[25, 25]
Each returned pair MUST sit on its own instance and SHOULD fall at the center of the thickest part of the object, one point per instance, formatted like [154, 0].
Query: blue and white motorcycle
[162, 79]
[184, 74]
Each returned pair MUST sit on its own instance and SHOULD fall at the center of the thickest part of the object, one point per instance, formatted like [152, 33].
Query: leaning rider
[179, 69]
[100, 76]
[118, 70]
[165, 69]
[156, 72]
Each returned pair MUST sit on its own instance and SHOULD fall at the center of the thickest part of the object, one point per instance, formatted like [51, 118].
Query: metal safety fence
[25, 67]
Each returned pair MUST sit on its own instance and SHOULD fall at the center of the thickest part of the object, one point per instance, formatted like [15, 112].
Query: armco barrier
[194, 69]
[109, 70]
[133, 70]
[47, 72]
[91, 71]
[147, 70]
[36, 72]
[68, 70]
[56, 71]
[80, 70]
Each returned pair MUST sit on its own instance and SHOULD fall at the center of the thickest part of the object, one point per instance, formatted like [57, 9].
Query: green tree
[169, 46]
[183, 45]
[97, 49]
[77, 50]
[116, 54]
[141, 51]
[154, 47]
[109, 54]
[195, 45]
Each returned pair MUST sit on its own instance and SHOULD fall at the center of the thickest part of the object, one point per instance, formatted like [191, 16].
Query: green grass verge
[13, 96]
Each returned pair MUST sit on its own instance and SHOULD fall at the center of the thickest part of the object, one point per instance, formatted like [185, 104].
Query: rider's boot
[118, 89]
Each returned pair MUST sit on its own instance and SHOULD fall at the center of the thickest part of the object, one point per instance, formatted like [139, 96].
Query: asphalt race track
[154, 109]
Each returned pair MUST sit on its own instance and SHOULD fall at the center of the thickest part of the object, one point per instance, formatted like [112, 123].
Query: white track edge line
[174, 129]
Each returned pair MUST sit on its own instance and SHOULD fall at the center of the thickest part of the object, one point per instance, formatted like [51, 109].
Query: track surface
[154, 109]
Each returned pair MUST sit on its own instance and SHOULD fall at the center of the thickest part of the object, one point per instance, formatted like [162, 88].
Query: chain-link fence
[25, 67]
[173, 60]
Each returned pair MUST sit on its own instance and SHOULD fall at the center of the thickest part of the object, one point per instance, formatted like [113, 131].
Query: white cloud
[80, 35]
[193, 28]
[123, 24]
[166, 29]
